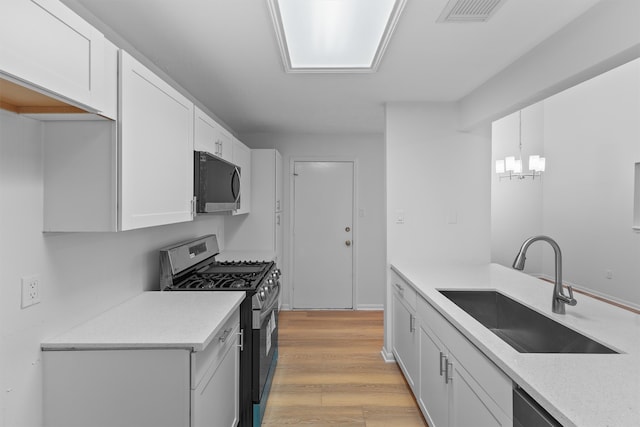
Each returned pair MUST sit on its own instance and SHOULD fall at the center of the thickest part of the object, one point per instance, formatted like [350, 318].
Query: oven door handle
[270, 306]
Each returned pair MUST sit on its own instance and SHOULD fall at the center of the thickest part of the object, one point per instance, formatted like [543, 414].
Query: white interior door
[322, 235]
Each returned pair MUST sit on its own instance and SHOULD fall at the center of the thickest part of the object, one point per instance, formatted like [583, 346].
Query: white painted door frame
[355, 225]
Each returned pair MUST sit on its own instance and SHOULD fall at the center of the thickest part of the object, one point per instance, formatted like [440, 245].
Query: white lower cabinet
[215, 393]
[454, 383]
[434, 390]
[170, 387]
[405, 333]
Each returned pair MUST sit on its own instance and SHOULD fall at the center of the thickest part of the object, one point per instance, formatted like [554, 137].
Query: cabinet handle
[412, 323]
[225, 335]
[443, 357]
[241, 343]
[447, 370]
[398, 287]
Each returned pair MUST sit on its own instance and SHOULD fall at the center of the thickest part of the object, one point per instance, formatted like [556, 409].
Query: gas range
[191, 266]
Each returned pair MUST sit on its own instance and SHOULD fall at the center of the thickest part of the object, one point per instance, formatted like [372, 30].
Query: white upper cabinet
[103, 176]
[49, 47]
[261, 230]
[156, 149]
[242, 159]
[211, 137]
[107, 96]
[279, 182]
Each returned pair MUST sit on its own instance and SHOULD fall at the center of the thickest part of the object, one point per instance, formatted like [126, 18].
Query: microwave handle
[235, 178]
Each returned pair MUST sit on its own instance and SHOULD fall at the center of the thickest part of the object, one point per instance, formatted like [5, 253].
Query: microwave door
[217, 184]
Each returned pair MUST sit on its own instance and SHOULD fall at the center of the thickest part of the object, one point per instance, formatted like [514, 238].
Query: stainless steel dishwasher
[528, 413]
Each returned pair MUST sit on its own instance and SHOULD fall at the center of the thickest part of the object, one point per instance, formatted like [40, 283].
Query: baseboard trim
[371, 307]
[361, 307]
[387, 356]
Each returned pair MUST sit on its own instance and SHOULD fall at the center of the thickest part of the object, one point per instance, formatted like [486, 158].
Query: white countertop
[577, 389]
[154, 320]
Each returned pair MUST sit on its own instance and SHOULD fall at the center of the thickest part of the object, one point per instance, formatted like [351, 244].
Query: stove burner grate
[218, 281]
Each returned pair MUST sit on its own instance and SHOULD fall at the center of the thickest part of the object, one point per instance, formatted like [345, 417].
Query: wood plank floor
[330, 373]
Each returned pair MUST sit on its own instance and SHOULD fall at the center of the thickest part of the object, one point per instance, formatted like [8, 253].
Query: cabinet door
[205, 133]
[433, 397]
[405, 340]
[47, 45]
[278, 238]
[156, 149]
[469, 404]
[225, 144]
[216, 399]
[242, 159]
[279, 181]
[107, 99]
[211, 137]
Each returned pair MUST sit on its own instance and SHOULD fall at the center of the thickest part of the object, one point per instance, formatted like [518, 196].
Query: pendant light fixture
[511, 167]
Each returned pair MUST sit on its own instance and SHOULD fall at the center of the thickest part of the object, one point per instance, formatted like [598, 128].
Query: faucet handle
[569, 300]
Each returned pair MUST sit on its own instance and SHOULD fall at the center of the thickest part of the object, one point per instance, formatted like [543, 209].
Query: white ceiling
[225, 53]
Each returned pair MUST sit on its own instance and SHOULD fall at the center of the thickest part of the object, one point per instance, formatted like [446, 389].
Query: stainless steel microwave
[216, 184]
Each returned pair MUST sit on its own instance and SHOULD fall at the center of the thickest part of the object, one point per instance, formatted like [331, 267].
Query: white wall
[368, 151]
[592, 140]
[82, 274]
[516, 205]
[603, 38]
[439, 178]
[591, 135]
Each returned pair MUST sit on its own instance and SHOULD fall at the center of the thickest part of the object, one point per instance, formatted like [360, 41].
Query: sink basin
[522, 328]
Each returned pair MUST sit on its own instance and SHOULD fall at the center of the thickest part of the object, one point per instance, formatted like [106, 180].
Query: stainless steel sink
[524, 329]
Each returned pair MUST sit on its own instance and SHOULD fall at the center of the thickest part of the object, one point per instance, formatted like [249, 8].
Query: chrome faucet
[559, 298]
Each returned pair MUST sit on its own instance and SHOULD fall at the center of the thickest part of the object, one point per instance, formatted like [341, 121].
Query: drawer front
[405, 291]
[497, 385]
[213, 354]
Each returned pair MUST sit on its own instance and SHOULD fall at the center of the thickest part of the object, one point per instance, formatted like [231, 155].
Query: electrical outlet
[30, 291]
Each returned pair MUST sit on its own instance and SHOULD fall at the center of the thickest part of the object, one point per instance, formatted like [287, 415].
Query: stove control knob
[261, 295]
[270, 283]
[276, 273]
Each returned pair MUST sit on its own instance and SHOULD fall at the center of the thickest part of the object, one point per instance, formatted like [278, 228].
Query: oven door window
[266, 345]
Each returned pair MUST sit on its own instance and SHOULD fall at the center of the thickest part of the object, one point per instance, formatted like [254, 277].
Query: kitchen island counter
[177, 319]
[577, 389]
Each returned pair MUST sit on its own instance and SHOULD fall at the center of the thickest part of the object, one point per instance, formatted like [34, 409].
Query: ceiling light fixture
[329, 36]
[511, 168]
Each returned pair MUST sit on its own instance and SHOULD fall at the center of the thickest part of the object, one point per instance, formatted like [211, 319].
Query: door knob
[348, 243]
[347, 229]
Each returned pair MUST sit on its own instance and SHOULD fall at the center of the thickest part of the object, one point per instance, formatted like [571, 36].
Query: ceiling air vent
[469, 10]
